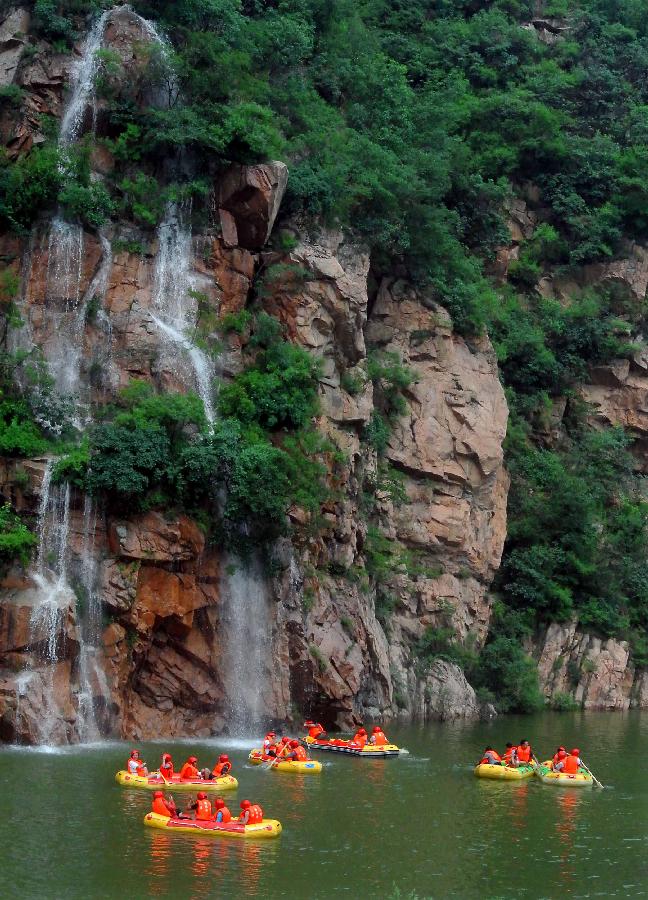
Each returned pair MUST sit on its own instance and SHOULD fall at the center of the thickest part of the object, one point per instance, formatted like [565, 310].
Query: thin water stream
[422, 823]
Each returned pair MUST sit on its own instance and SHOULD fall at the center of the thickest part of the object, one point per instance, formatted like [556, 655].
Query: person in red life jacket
[222, 767]
[166, 767]
[163, 806]
[135, 766]
[202, 807]
[315, 730]
[523, 752]
[251, 813]
[244, 815]
[296, 752]
[490, 758]
[560, 756]
[509, 755]
[223, 815]
[557, 756]
[570, 764]
[269, 742]
[189, 770]
[360, 737]
[378, 737]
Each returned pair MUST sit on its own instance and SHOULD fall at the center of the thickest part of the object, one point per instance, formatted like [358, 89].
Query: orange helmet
[201, 795]
[245, 804]
[158, 794]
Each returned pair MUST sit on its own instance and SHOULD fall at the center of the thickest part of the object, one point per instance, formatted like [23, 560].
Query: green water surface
[421, 823]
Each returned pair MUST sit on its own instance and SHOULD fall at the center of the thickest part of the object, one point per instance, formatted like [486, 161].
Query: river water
[419, 825]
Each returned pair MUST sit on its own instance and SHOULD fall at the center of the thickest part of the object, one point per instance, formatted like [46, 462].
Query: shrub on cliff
[16, 540]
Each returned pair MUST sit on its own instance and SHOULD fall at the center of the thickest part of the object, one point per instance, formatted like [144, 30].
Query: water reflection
[567, 802]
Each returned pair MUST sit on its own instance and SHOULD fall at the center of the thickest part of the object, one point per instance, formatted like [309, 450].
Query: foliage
[16, 540]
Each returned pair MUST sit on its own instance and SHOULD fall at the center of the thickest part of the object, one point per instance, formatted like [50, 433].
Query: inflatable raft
[296, 766]
[155, 782]
[503, 773]
[562, 779]
[336, 745]
[268, 828]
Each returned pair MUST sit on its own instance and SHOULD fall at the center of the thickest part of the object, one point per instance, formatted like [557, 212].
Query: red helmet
[223, 757]
[294, 743]
[201, 795]
[158, 794]
[562, 754]
[134, 753]
[166, 757]
[220, 803]
[245, 804]
[376, 729]
[284, 739]
[193, 759]
[362, 730]
[575, 752]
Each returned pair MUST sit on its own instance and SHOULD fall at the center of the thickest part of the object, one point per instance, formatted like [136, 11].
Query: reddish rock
[153, 537]
[250, 197]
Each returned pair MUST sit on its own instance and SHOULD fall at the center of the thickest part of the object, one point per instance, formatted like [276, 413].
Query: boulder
[152, 537]
[249, 198]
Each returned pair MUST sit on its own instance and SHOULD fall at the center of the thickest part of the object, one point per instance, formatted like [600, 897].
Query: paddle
[273, 762]
[594, 778]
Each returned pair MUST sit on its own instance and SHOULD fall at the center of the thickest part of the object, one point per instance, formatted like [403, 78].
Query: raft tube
[503, 773]
[336, 745]
[155, 782]
[268, 828]
[562, 779]
[296, 766]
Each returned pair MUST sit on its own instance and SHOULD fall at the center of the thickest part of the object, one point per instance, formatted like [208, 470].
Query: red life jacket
[508, 755]
[167, 771]
[226, 815]
[188, 771]
[223, 768]
[161, 808]
[378, 738]
[524, 754]
[360, 739]
[299, 753]
[570, 765]
[203, 810]
[315, 731]
[485, 761]
[135, 764]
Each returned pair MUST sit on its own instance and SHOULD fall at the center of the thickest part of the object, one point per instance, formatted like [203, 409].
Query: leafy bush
[16, 540]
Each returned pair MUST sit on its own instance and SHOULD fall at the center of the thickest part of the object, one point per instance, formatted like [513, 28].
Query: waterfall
[82, 84]
[246, 616]
[174, 309]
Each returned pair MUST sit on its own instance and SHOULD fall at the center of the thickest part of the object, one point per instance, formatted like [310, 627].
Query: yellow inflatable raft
[562, 779]
[369, 751]
[503, 773]
[296, 766]
[155, 782]
[268, 828]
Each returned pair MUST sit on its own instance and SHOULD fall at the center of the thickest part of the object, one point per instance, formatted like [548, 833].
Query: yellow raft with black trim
[267, 828]
[503, 773]
[336, 745]
[155, 782]
[580, 779]
[296, 766]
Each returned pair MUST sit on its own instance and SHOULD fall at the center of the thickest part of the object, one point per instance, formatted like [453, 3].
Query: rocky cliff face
[163, 655]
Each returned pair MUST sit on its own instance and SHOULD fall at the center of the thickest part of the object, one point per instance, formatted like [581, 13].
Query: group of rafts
[519, 762]
[278, 754]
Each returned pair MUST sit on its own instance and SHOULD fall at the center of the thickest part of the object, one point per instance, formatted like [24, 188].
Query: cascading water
[246, 616]
[174, 308]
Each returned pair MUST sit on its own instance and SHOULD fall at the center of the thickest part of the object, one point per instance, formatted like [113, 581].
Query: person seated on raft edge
[315, 730]
[222, 767]
[523, 753]
[557, 757]
[510, 757]
[166, 766]
[296, 751]
[360, 737]
[378, 737]
[490, 758]
[163, 806]
[221, 813]
[269, 742]
[189, 770]
[570, 764]
[202, 807]
[251, 813]
[135, 766]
